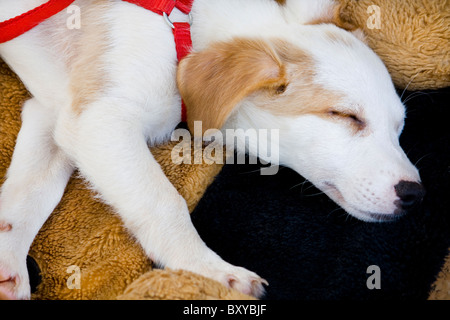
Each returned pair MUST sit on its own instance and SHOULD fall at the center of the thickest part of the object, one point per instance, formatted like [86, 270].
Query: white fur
[140, 103]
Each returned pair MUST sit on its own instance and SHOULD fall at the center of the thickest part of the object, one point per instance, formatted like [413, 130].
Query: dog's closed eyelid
[360, 124]
[344, 114]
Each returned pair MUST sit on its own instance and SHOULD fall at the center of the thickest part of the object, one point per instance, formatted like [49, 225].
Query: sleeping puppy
[102, 92]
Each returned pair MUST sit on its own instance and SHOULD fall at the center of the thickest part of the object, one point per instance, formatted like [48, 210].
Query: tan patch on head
[302, 95]
[277, 77]
[87, 76]
[212, 82]
[281, 2]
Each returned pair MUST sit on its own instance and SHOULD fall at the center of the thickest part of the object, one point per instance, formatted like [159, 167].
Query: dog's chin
[367, 216]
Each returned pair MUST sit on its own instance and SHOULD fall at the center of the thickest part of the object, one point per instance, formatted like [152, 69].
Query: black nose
[409, 193]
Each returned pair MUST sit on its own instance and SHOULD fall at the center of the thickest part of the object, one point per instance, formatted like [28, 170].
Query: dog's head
[333, 101]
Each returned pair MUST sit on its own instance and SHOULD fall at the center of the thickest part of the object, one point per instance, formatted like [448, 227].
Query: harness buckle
[170, 23]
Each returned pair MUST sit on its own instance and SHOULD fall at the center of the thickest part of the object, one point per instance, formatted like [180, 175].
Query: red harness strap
[164, 6]
[181, 30]
[17, 26]
[183, 43]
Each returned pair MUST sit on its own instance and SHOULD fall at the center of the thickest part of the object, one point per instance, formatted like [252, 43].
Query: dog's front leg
[35, 183]
[110, 148]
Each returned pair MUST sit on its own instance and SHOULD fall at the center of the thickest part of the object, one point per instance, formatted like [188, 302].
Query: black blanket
[309, 249]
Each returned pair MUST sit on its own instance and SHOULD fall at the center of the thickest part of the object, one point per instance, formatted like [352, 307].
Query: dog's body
[103, 92]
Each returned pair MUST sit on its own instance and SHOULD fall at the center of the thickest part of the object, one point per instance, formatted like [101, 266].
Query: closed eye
[355, 120]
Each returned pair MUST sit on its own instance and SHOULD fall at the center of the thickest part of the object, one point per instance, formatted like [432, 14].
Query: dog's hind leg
[110, 149]
[35, 183]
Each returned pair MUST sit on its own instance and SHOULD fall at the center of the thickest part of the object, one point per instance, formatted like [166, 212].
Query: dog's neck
[224, 19]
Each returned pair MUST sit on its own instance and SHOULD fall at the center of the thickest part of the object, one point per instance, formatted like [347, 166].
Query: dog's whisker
[413, 95]
[258, 170]
[314, 194]
[251, 171]
[309, 187]
[423, 157]
[335, 210]
[347, 217]
[302, 185]
[418, 94]
[410, 81]
[297, 185]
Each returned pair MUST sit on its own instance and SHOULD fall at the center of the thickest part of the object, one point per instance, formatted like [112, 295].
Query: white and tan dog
[101, 93]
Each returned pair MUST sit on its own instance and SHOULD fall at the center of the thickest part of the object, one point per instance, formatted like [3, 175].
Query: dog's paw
[14, 283]
[237, 278]
[246, 282]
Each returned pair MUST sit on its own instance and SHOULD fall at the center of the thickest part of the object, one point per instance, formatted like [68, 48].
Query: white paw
[246, 282]
[234, 277]
[14, 282]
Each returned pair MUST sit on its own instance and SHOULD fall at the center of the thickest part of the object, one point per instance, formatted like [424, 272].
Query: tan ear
[212, 82]
[339, 15]
[343, 18]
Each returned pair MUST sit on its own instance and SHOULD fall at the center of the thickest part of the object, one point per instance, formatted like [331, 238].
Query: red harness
[181, 30]
[17, 26]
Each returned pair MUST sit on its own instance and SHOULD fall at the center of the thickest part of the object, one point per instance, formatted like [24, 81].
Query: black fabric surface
[309, 249]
